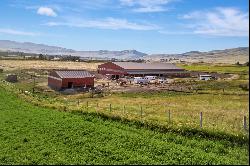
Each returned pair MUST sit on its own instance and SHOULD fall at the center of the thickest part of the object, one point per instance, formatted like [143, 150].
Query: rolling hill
[233, 55]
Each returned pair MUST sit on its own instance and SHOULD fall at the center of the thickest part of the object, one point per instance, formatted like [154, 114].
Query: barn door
[70, 84]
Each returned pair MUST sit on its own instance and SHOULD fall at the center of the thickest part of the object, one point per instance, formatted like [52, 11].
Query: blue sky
[150, 26]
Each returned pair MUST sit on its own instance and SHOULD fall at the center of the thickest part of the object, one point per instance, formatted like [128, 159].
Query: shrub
[244, 87]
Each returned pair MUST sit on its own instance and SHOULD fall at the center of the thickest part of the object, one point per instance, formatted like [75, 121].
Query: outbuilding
[116, 70]
[63, 79]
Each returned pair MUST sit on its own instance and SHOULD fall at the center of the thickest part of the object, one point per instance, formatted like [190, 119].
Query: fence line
[126, 110]
[243, 125]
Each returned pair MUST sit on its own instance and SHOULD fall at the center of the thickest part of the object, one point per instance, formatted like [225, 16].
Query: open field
[41, 64]
[48, 127]
[223, 102]
[222, 68]
[34, 135]
[220, 112]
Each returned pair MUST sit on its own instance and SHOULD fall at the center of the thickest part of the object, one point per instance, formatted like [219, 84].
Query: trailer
[140, 80]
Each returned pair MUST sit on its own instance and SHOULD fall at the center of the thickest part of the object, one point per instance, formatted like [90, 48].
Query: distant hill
[27, 47]
[240, 54]
[125, 54]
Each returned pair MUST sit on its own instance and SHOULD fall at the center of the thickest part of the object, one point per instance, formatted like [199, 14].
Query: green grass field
[232, 69]
[34, 135]
[223, 102]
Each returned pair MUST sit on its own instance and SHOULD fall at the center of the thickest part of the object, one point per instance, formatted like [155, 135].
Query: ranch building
[63, 79]
[115, 70]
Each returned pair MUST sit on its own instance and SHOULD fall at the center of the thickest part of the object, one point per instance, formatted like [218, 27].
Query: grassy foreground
[34, 135]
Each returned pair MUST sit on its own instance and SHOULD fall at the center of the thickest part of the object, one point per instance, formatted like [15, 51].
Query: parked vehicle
[151, 79]
[140, 80]
[162, 80]
[206, 77]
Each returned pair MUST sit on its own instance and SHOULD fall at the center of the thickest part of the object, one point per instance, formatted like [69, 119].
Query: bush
[246, 64]
[244, 87]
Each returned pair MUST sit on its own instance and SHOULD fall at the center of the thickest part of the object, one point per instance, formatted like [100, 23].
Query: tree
[246, 64]
[41, 57]
[238, 63]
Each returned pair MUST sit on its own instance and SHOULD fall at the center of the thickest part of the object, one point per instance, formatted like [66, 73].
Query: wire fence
[161, 114]
[164, 115]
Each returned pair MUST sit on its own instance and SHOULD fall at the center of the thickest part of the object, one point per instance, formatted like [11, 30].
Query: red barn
[120, 69]
[62, 79]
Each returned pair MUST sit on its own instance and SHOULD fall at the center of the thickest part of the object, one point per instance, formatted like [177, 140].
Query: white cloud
[46, 11]
[108, 23]
[17, 32]
[220, 22]
[146, 6]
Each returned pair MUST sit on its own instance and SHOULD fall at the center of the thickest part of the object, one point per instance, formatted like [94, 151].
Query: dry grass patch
[41, 64]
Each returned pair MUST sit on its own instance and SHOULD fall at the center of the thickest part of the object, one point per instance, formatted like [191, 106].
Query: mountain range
[240, 54]
[28, 47]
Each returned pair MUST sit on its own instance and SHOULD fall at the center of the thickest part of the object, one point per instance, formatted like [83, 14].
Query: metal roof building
[119, 69]
[62, 79]
[149, 66]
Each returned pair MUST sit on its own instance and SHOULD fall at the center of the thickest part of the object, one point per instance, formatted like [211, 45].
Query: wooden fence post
[200, 119]
[245, 123]
[141, 112]
[169, 116]
[110, 109]
[87, 104]
[124, 109]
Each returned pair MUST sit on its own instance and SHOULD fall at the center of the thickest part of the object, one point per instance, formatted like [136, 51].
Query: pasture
[33, 135]
[223, 102]
[48, 127]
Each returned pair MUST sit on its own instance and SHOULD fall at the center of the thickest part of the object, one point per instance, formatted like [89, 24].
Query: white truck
[140, 80]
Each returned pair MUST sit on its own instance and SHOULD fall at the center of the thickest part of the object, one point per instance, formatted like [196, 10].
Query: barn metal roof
[73, 73]
[156, 72]
[151, 66]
